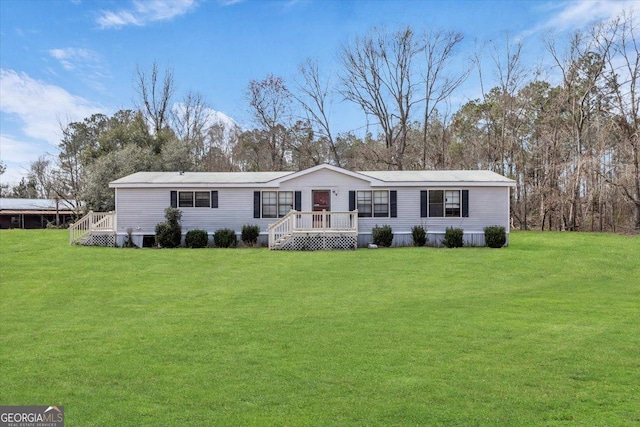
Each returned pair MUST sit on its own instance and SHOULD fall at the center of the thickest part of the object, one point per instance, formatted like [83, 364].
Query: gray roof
[200, 177]
[232, 179]
[8, 204]
[438, 176]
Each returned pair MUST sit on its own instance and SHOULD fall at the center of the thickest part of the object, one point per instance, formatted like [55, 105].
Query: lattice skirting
[100, 240]
[319, 242]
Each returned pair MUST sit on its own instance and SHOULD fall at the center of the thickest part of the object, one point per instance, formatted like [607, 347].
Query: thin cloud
[18, 154]
[17, 150]
[87, 64]
[577, 15]
[229, 2]
[40, 107]
[145, 12]
[70, 58]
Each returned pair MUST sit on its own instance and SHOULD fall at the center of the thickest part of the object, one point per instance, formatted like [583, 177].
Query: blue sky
[63, 60]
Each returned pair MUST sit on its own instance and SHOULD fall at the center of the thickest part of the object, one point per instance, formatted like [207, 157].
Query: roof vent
[181, 172]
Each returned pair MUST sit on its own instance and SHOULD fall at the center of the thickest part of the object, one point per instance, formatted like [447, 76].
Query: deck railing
[92, 221]
[325, 221]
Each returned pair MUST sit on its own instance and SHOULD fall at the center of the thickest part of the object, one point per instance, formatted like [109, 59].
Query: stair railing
[92, 221]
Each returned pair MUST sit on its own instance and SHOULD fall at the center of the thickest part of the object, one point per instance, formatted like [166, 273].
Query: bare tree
[3, 187]
[190, 120]
[155, 93]
[270, 102]
[70, 174]
[314, 99]
[622, 165]
[438, 48]
[582, 72]
[378, 75]
[41, 173]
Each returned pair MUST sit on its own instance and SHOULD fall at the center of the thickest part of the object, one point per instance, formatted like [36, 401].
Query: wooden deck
[315, 231]
[94, 229]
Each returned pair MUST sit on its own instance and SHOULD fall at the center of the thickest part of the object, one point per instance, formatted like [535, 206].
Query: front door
[321, 202]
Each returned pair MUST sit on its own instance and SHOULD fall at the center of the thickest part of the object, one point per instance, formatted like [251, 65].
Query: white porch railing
[92, 221]
[316, 222]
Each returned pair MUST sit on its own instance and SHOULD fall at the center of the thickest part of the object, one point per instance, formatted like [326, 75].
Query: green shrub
[495, 236]
[250, 234]
[196, 239]
[382, 236]
[419, 235]
[453, 237]
[169, 233]
[225, 238]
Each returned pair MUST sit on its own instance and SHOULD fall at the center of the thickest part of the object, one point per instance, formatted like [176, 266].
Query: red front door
[321, 200]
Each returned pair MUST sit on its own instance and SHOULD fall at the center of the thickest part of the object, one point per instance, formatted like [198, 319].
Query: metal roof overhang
[36, 212]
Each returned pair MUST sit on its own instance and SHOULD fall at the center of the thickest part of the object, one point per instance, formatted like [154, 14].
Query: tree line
[570, 142]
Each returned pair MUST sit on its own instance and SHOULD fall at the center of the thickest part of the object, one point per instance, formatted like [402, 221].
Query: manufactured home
[323, 207]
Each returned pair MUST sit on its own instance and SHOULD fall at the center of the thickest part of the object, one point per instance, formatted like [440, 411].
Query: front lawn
[545, 332]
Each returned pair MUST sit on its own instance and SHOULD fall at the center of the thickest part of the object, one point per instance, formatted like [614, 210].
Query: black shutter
[352, 200]
[256, 204]
[214, 199]
[423, 203]
[465, 203]
[174, 199]
[393, 205]
[298, 201]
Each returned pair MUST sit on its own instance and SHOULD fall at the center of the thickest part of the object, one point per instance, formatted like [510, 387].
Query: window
[373, 203]
[364, 204]
[203, 199]
[380, 204]
[444, 203]
[190, 199]
[276, 204]
[285, 202]
[185, 199]
[452, 203]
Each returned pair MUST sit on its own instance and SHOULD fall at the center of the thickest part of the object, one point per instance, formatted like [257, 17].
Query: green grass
[545, 332]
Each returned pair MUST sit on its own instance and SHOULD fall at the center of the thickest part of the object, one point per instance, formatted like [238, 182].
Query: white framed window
[373, 203]
[285, 202]
[276, 204]
[203, 199]
[190, 199]
[185, 199]
[444, 203]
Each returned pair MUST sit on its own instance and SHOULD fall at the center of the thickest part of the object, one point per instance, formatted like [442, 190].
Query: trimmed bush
[225, 238]
[250, 234]
[382, 236]
[495, 236]
[169, 233]
[419, 235]
[453, 237]
[196, 239]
